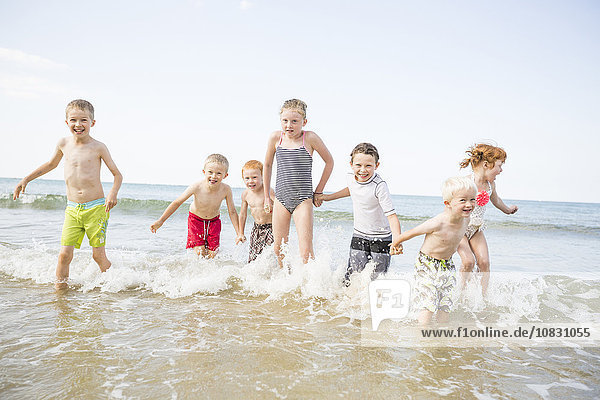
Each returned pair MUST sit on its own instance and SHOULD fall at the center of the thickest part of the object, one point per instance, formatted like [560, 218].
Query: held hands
[240, 239]
[154, 227]
[268, 205]
[318, 199]
[19, 189]
[396, 250]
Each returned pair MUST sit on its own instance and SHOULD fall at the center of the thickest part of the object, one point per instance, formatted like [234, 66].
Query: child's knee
[467, 265]
[65, 256]
[484, 265]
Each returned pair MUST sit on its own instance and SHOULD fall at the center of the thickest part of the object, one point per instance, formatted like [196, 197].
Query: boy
[434, 269]
[375, 219]
[87, 210]
[262, 231]
[204, 224]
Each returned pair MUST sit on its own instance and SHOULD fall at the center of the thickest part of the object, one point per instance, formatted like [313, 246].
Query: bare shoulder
[311, 136]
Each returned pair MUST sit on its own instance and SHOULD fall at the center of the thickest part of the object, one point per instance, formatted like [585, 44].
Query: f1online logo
[389, 299]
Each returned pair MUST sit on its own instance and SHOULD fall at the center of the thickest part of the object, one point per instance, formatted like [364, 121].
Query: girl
[293, 147]
[486, 161]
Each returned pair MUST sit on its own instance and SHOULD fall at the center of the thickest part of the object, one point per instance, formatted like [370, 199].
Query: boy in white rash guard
[375, 221]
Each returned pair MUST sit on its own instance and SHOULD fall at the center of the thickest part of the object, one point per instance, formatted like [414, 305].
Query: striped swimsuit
[294, 175]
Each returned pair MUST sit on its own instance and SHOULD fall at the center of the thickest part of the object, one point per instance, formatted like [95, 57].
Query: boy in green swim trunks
[87, 209]
[434, 270]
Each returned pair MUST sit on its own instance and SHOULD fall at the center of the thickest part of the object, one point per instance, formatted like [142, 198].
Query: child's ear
[93, 123]
[377, 165]
[446, 203]
[305, 121]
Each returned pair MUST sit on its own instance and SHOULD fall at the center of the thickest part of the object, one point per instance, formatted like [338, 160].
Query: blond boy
[253, 197]
[204, 223]
[434, 269]
[87, 209]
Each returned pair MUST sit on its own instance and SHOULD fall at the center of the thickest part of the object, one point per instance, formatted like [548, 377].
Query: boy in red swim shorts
[204, 223]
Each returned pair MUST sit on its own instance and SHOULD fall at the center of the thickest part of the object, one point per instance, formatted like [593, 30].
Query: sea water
[163, 323]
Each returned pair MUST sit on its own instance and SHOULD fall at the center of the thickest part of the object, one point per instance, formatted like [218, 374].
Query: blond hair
[294, 105]
[252, 164]
[455, 184]
[82, 105]
[217, 158]
[481, 152]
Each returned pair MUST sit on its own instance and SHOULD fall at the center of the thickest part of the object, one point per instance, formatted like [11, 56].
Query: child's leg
[201, 250]
[99, 255]
[425, 317]
[442, 316]
[65, 256]
[482, 255]
[467, 260]
[281, 228]
[303, 219]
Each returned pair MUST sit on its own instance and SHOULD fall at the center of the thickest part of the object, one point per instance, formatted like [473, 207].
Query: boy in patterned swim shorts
[253, 197]
[434, 270]
[87, 209]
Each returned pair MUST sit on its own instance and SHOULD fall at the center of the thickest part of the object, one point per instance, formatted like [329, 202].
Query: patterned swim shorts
[434, 281]
[260, 237]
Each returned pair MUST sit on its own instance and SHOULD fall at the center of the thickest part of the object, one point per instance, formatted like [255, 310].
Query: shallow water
[162, 323]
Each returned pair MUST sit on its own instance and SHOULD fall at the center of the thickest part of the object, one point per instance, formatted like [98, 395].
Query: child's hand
[395, 250]
[318, 199]
[268, 205]
[154, 227]
[111, 201]
[512, 209]
[19, 189]
[240, 239]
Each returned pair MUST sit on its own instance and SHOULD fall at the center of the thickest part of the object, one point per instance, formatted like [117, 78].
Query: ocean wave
[314, 288]
[137, 206]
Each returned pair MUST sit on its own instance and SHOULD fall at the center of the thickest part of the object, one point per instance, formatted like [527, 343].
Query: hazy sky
[173, 81]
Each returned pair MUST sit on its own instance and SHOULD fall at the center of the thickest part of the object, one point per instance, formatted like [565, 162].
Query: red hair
[481, 152]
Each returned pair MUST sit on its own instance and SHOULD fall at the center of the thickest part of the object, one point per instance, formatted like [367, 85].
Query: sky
[174, 81]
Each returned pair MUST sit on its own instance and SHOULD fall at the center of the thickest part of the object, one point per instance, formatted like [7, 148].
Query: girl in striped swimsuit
[294, 197]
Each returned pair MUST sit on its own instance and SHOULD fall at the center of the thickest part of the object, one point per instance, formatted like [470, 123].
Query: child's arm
[243, 213]
[233, 215]
[396, 230]
[41, 170]
[422, 229]
[318, 145]
[345, 192]
[499, 204]
[172, 208]
[268, 169]
[111, 198]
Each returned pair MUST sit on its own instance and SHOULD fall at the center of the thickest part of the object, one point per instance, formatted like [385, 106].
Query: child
[294, 195]
[262, 231]
[87, 210]
[486, 161]
[434, 269]
[375, 220]
[204, 224]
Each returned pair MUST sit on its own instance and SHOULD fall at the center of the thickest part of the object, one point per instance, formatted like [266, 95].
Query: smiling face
[462, 202]
[214, 173]
[363, 166]
[79, 123]
[292, 123]
[253, 179]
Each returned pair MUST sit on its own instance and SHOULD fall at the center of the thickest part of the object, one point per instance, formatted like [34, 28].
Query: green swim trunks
[86, 218]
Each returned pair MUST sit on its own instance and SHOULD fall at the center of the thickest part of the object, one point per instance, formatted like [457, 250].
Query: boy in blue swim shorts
[87, 209]
[434, 270]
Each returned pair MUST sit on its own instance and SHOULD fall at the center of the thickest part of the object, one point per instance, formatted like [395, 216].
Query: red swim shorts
[203, 232]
